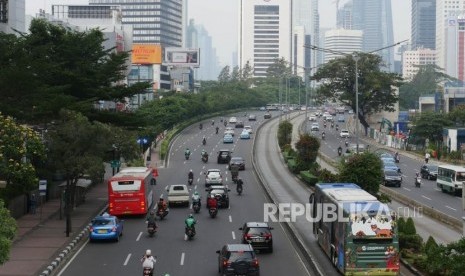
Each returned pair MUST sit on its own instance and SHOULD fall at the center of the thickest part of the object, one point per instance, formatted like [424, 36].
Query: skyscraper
[374, 18]
[424, 24]
[344, 17]
[344, 41]
[265, 30]
[12, 16]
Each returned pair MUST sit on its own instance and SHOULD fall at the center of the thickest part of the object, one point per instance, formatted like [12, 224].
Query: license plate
[102, 231]
[258, 240]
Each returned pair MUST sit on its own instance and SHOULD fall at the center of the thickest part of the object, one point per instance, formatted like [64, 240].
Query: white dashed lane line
[138, 236]
[127, 259]
[233, 235]
[182, 259]
[230, 219]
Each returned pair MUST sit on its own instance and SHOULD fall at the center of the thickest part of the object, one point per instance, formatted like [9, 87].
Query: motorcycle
[217, 129]
[339, 151]
[200, 126]
[187, 154]
[196, 206]
[225, 123]
[418, 181]
[337, 128]
[190, 181]
[190, 233]
[204, 142]
[347, 143]
[205, 158]
[162, 213]
[239, 189]
[323, 136]
[151, 229]
[213, 212]
[147, 271]
[213, 123]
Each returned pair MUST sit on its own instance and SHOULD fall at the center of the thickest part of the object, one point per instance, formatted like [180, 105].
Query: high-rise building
[374, 18]
[414, 58]
[424, 24]
[265, 29]
[446, 13]
[12, 16]
[344, 41]
[455, 48]
[344, 17]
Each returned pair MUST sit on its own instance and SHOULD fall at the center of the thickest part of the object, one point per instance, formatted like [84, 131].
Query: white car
[344, 133]
[213, 177]
[315, 127]
[249, 129]
[178, 194]
[312, 118]
[232, 120]
[229, 130]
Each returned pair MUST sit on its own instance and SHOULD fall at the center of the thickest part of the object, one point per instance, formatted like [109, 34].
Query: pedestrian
[32, 204]
[427, 156]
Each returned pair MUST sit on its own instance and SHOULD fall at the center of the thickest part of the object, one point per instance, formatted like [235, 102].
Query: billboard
[182, 57]
[146, 54]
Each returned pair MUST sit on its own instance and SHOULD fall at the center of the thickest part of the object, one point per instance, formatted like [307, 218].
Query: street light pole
[356, 57]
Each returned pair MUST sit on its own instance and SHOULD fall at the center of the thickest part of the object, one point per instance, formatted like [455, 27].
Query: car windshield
[214, 174]
[217, 192]
[239, 255]
[391, 173]
[236, 159]
[178, 188]
[103, 222]
[432, 168]
[258, 231]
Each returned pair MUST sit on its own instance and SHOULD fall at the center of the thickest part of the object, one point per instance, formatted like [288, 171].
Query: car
[105, 227]
[341, 119]
[267, 115]
[221, 194]
[224, 156]
[391, 166]
[245, 134]
[252, 117]
[386, 155]
[229, 130]
[315, 127]
[228, 138]
[238, 259]
[392, 178]
[178, 194]
[429, 171]
[388, 159]
[257, 234]
[351, 111]
[312, 118]
[328, 118]
[262, 108]
[239, 124]
[239, 161]
[232, 120]
[249, 129]
[344, 133]
[213, 177]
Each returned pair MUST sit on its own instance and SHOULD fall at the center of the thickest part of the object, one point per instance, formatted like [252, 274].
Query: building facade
[265, 33]
[12, 16]
[344, 17]
[414, 58]
[423, 24]
[455, 48]
[342, 40]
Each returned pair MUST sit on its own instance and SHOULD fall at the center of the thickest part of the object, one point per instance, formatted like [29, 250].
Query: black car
[237, 161]
[429, 171]
[267, 115]
[240, 124]
[238, 259]
[392, 178]
[252, 117]
[221, 194]
[224, 156]
[257, 234]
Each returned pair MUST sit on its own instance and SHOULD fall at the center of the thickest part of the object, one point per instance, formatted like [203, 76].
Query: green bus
[450, 178]
[362, 239]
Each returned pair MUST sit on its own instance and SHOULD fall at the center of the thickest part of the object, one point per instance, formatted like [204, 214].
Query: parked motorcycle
[213, 212]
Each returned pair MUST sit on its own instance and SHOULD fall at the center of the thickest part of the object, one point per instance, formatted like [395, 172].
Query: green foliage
[363, 169]
[292, 164]
[307, 148]
[412, 242]
[376, 87]
[21, 150]
[225, 75]
[429, 126]
[284, 133]
[409, 228]
[309, 178]
[384, 198]
[455, 155]
[327, 176]
[401, 224]
[7, 232]
[278, 69]
[430, 244]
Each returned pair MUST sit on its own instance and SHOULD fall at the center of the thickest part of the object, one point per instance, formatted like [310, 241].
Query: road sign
[115, 163]
[42, 187]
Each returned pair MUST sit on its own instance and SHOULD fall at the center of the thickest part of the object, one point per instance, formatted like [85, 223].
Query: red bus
[129, 191]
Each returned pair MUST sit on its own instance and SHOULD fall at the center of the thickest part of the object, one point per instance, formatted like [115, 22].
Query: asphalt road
[428, 194]
[175, 255]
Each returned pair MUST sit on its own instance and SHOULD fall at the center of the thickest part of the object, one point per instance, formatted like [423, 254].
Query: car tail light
[255, 263]
[267, 236]
[248, 236]
[113, 229]
[91, 229]
[226, 263]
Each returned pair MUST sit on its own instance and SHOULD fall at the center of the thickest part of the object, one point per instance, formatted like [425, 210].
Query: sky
[220, 17]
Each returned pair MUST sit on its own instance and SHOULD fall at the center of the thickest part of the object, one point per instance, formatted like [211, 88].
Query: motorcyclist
[339, 150]
[190, 175]
[212, 202]
[234, 172]
[200, 125]
[196, 198]
[213, 122]
[204, 153]
[217, 129]
[162, 204]
[187, 152]
[148, 261]
[204, 140]
[151, 220]
[190, 222]
[396, 156]
[337, 127]
[239, 183]
[323, 134]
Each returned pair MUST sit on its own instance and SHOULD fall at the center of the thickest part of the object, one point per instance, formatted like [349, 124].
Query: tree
[307, 149]
[21, 149]
[284, 133]
[429, 125]
[236, 74]
[247, 73]
[376, 87]
[7, 232]
[225, 75]
[363, 169]
[457, 115]
[278, 69]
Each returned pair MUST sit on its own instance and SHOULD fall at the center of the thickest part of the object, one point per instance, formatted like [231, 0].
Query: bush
[413, 242]
[291, 164]
[409, 228]
[327, 176]
[308, 178]
[284, 133]
[286, 148]
[430, 245]
[401, 224]
[384, 198]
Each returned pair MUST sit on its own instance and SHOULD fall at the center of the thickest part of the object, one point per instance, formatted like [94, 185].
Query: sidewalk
[41, 243]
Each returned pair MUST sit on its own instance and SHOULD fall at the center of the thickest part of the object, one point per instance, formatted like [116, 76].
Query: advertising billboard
[146, 54]
[182, 57]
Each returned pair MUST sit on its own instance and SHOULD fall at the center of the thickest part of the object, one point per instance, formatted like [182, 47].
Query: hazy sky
[220, 18]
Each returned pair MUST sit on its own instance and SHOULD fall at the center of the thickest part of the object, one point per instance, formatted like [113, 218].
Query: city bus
[130, 191]
[450, 178]
[270, 107]
[362, 238]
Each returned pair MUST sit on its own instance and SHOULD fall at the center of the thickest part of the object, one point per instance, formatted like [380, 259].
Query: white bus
[272, 107]
[450, 178]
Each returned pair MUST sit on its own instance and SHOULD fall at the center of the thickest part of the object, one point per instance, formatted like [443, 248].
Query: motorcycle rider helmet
[148, 252]
[191, 216]
[196, 193]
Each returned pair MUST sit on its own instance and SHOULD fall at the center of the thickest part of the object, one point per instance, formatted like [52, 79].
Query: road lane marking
[230, 218]
[72, 259]
[233, 235]
[182, 258]
[407, 189]
[127, 259]
[138, 236]
[426, 197]
[451, 208]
